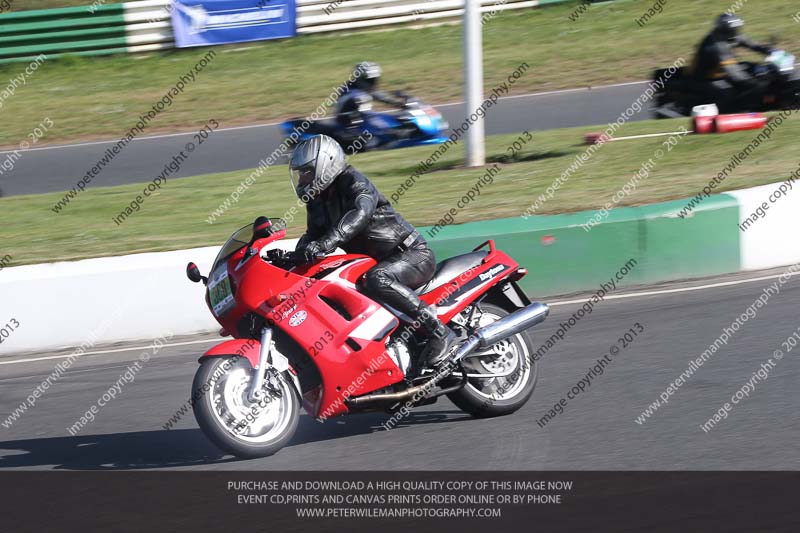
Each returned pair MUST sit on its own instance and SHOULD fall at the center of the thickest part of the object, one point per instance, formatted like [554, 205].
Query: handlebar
[285, 256]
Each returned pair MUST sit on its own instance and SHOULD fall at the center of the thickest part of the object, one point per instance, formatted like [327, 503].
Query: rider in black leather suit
[360, 93]
[716, 65]
[345, 210]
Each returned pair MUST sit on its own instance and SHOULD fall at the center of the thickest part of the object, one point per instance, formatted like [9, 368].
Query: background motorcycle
[681, 93]
[417, 123]
[304, 334]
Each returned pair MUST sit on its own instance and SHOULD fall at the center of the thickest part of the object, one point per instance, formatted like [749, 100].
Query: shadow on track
[118, 451]
[181, 447]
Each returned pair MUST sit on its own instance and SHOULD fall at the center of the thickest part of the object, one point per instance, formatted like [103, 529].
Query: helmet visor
[303, 177]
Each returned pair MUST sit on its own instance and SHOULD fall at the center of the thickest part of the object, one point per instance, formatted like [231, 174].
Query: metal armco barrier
[24, 35]
[85, 31]
[356, 14]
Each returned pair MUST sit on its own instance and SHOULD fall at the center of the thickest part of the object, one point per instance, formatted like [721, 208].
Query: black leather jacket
[716, 59]
[357, 100]
[354, 215]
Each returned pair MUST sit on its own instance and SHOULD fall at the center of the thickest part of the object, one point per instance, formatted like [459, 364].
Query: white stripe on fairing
[373, 325]
[335, 276]
[444, 310]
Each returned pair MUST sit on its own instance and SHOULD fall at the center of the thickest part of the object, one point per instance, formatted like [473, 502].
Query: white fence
[149, 27]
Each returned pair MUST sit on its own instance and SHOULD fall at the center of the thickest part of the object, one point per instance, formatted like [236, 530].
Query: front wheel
[509, 369]
[232, 421]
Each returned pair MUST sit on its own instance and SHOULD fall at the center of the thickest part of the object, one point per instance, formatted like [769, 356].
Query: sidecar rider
[345, 210]
[717, 69]
[360, 93]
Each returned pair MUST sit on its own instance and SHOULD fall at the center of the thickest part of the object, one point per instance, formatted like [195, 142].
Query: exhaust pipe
[484, 337]
[413, 393]
[516, 322]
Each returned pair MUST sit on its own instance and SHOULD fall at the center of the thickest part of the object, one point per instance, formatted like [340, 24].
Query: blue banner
[209, 22]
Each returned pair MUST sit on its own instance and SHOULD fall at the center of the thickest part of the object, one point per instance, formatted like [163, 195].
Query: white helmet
[315, 164]
[367, 75]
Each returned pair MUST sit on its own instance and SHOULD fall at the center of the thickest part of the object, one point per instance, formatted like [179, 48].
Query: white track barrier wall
[106, 300]
[149, 26]
[771, 240]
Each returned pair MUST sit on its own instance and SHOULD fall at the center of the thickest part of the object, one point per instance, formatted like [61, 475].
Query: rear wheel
[509, 370]
[231, 420]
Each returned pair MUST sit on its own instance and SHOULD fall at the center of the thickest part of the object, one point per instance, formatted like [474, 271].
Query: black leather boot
[441, 340]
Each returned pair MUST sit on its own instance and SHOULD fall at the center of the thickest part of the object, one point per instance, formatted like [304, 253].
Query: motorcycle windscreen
[237, 241]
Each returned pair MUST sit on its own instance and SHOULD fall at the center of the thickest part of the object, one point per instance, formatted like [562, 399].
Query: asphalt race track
[597, 430]
[58, 168]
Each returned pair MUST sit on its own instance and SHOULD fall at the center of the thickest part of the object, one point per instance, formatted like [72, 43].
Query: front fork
[268, 360]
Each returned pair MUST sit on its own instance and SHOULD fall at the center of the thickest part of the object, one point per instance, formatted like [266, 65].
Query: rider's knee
[377, 279]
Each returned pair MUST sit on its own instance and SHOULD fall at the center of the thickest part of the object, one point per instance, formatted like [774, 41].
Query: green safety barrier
[563, 258]
[26, 35]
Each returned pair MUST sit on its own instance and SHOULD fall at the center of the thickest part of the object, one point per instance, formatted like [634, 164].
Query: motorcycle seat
[450, 269]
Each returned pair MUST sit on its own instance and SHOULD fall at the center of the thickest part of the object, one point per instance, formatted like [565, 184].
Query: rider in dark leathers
[344, 209]
[359, 94]
[716, 66]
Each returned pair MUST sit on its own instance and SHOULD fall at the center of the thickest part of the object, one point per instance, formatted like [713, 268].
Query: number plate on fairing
[220, 294]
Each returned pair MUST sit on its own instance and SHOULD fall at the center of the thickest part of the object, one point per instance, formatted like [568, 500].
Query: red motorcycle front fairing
[345, 333]
[342, 330]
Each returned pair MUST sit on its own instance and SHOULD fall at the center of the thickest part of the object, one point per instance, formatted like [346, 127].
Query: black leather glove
[310, 251]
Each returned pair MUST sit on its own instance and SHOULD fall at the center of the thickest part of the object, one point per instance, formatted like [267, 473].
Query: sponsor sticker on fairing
[492, 272]
[298, 318]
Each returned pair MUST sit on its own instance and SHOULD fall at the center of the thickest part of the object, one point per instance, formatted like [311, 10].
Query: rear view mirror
[262, 228]
[193, 273]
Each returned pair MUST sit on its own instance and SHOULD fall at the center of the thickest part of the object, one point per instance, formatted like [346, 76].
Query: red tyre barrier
[729, 123]
[739, 122]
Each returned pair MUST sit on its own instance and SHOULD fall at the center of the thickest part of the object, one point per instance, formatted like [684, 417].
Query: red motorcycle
[305, 333]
